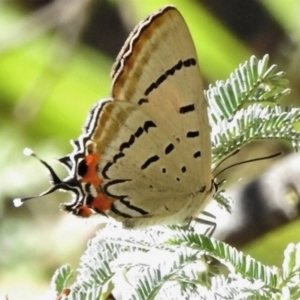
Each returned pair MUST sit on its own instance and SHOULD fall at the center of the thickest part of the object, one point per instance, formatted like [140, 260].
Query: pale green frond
[229, 256]
[94, 292]
[256, 122]
[61, 278]
[252, 82]
[290, 275]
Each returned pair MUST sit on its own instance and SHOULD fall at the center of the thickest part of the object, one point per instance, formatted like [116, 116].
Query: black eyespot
[89, 199]
[87, 188]
[82, 168]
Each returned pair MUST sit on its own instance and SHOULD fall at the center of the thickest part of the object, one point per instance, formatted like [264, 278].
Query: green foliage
[153, 263]
[61, 278]
[175, 263]
[238, 112]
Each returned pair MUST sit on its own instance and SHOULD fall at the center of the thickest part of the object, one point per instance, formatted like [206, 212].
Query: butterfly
[144, 157]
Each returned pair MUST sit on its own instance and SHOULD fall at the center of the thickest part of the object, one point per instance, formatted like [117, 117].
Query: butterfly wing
[155, 136]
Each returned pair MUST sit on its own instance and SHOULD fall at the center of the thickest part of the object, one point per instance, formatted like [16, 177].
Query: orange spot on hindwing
[91, 175]
[100, 203]
[84, 211]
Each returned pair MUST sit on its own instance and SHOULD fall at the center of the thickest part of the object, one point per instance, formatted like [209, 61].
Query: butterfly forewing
[158, 70]
[159, 153]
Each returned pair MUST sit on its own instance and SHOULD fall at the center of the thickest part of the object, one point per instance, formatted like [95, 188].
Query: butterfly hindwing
[144, 175]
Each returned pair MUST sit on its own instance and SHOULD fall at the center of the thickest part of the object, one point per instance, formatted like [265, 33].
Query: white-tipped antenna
[55, 181]
[18, 202]
[28, 152]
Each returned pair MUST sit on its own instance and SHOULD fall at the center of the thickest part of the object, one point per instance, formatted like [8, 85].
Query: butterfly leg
[212, 225]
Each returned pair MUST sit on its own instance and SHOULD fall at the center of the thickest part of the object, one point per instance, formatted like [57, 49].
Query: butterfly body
[144, 156]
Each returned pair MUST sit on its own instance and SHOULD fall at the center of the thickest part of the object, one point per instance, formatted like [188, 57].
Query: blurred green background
[55, 61]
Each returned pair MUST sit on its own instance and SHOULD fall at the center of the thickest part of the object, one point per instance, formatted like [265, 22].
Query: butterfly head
[83, 182]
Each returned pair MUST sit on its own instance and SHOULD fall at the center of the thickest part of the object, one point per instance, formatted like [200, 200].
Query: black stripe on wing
[170, 72]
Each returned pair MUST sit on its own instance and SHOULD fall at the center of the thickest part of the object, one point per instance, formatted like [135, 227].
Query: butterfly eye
[82, 168]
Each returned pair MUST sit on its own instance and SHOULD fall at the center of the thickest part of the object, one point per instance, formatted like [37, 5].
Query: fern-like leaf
[256, 122]
[232, 258]
[61, 278]
[251, 82]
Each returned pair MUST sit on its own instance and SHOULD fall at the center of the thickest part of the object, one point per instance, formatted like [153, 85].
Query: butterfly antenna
[234, 153]
[248, 161]
[54, 180]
